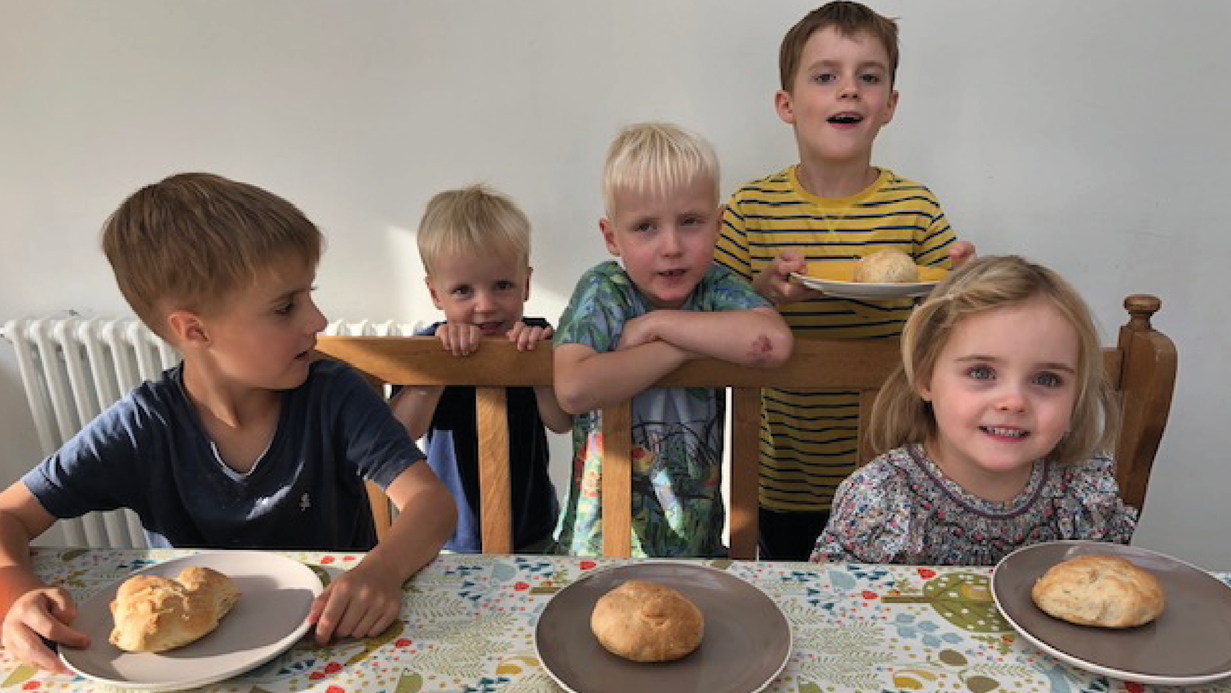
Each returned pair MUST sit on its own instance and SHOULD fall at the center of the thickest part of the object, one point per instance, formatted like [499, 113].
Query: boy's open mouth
[846, 119]
[673, 273]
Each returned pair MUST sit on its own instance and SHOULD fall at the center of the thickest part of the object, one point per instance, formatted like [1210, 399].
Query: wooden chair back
[1141, 367]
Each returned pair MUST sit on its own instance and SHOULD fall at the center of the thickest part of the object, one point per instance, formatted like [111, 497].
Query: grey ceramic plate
[746, 644]
[270, 616]
[1189, 643]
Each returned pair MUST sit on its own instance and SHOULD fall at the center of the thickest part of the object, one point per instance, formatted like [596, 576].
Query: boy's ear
[604, 225]
[432, 290]
[890, 107]
[782, 104]
[188, 329]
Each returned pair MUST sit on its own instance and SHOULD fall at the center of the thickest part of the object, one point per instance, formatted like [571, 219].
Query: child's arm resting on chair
[758, 337]
[363, 601]
[657, 343]
[586, 379]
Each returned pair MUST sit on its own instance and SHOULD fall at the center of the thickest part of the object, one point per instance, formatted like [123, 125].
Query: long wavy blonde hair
[900, 416]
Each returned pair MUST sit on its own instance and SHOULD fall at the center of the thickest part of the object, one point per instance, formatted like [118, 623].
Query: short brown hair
[192, 240]
[471, 220]
[900, 416]
[850, 19]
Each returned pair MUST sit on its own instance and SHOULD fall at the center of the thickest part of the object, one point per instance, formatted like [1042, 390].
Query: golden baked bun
[647, 622]
[154, 614]
[889, 266]
[1106, 591]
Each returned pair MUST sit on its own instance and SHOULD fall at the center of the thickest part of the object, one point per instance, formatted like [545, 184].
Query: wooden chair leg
[617, 483]
[495, 489]
[745, 470]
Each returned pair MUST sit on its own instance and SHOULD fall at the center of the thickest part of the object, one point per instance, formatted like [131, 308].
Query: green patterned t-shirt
[676, 432]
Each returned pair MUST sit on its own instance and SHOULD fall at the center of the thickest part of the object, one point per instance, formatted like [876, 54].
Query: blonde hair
[850, 19]
[657, 158]
[470, 221]
[192, 240]
[900, 416]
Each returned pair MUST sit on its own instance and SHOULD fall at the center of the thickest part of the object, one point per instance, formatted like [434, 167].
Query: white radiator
[73, 368]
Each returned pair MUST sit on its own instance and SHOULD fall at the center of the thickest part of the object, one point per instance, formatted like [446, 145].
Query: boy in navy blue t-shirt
[475, 247]
[248, 442]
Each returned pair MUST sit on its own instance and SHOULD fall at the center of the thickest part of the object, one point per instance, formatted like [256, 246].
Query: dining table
[468, 622]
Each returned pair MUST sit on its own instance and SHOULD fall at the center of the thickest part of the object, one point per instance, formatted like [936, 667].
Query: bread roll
[647, 622]
[154, 614]
[889, 266]
[1106, 591]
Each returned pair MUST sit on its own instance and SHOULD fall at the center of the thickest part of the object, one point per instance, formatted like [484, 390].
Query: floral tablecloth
[468, 625]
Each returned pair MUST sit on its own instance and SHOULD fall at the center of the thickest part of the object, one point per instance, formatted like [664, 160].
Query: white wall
[1090, 136]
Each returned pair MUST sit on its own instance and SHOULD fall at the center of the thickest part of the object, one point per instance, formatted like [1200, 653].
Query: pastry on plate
[154, 614]
[889, 266]
[647, 621]
[1096, 590]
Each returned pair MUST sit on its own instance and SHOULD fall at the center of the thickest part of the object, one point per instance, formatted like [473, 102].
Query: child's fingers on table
[28, 645]
[323, 625]
[374, 621]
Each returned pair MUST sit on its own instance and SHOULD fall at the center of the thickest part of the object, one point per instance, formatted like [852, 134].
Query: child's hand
[42, 613]
[360, 603]
[638, 331]
[527, 337]
[775, 283]
[961, 252]
[459, 339]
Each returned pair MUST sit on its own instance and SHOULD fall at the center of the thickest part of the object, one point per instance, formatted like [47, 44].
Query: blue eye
[981, 373]
[870, 79]
[460, 292]
[504, 285]
[825, 78]
[1048, 380]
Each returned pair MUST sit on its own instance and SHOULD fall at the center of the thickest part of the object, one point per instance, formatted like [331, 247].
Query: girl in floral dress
[992, 425]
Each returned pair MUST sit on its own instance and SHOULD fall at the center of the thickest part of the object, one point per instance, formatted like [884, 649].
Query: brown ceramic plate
[1188, 644]
[747, 638]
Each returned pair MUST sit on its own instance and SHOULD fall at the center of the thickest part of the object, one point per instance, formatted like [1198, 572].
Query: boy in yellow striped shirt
[837, 68]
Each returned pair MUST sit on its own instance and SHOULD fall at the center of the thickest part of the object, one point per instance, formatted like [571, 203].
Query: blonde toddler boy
[475, 246]
[631, 322]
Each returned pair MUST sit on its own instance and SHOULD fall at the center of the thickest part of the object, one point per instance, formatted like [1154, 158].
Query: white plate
[1188, 644]
[746, 644]
[270, 616]
[864, 290]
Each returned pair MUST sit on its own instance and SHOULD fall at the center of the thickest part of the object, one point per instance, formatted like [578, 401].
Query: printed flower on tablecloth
[908, 626]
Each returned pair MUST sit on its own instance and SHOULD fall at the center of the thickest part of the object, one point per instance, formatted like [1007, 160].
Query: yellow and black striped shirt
[808, 438]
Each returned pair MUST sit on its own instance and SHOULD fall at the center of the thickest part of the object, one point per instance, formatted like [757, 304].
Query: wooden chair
[1141, 367]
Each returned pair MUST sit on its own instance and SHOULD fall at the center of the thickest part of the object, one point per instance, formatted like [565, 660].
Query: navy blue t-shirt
[452, 447]
[149, 453]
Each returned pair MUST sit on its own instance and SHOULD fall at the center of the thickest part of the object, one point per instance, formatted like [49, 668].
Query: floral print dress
[901, 508]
